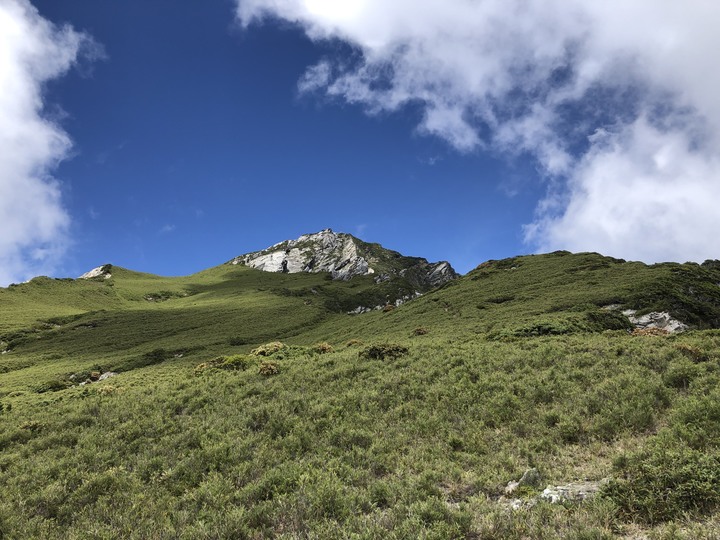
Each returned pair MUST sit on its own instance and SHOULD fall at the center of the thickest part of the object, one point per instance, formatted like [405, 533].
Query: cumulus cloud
[33, 221]
[615, 100]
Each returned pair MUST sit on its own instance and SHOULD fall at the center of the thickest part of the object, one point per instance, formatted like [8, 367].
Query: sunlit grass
[516, 366]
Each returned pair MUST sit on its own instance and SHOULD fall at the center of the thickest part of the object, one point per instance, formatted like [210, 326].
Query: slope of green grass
[513, 366]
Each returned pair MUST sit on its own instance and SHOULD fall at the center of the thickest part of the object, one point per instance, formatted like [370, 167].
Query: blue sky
[186, 133]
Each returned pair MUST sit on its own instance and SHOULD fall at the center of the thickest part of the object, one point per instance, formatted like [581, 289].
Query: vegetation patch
[151, 358]
[383, 351]
[162, 296]
[53, 385]
[336, 447]
[268, 349]
[667, 481]
[268, 368]
[235, 362]
[322, 348]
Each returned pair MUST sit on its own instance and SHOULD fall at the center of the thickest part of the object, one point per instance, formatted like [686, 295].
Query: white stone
[657, 319]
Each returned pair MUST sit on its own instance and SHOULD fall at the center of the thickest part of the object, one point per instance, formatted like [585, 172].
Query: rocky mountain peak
[344, 257]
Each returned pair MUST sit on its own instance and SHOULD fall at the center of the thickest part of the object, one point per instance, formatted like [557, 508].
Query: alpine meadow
[535, 397]
[359, 270]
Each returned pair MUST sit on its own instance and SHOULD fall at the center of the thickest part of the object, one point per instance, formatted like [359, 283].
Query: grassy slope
[514, 371]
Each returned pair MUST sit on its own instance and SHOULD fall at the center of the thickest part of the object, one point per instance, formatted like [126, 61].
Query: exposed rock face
[345, 257]
[657, 319]
[104, 271]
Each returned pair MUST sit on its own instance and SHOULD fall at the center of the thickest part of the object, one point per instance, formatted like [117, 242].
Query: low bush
[680, 374]
[237, 362]
[268, 349]
[268, 367]
[53, 385]
[322, 348]
[693, 353]
[667, 481]
[420, 331]
[383, 351]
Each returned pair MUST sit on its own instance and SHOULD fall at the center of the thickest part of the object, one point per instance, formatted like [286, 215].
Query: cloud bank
[616, 101]
[33, 221]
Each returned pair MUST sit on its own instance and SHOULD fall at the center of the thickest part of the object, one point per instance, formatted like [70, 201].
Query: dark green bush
[383, 351]
[608, 320]
[667, 481]
[236, 362]
[697, 422]
[680, 374]
[53, 385]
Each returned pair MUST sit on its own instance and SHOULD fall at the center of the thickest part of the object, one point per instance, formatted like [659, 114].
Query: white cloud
[643, 193]
[548, 78]
[33, 221]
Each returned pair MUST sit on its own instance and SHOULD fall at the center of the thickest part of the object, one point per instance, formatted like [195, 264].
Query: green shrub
[608, 320]
[693, 353]
[680, 374]
[383, 351]
[549, 328]
[697, 422]
[420, 331]
[237, 362]
[53, 385]
[667, 481]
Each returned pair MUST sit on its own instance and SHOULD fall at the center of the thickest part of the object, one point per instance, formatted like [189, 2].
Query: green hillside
[407, 422]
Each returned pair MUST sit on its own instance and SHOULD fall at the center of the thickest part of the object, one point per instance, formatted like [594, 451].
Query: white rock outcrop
[345, 257]
[325, 251]
[661, 320]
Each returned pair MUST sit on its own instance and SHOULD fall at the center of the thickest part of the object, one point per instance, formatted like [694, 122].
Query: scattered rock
[96, 376]
[572, 492]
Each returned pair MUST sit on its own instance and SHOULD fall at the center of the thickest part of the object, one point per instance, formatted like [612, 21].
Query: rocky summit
[344, 257]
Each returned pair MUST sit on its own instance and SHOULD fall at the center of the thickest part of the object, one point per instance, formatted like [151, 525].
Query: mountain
[241, 403]
[344, 257]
